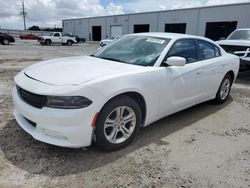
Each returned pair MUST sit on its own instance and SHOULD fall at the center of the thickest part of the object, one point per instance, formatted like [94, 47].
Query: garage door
[116, 31]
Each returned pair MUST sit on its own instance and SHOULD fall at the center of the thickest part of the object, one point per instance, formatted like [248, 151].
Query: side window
[207, 50]
[185, 48]
[56, 35]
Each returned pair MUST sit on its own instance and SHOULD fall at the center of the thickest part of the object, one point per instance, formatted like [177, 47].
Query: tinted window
[207, 50]
[57, 35]
[184, 48]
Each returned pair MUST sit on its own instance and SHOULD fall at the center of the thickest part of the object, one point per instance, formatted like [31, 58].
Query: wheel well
[139, 99]
[231, 73]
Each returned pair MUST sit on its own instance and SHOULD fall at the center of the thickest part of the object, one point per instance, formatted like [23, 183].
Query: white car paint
[166, 90]
[108, 40]
[57, 38]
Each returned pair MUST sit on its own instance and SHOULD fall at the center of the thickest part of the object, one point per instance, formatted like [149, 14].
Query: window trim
[196, 48]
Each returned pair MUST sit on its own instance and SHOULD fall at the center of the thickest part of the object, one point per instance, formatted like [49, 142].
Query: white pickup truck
[56, 38]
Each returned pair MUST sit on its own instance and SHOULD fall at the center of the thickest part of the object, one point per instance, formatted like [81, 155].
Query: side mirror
[175, 61]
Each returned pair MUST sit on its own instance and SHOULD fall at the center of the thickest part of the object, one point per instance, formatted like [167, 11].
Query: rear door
[211, 63]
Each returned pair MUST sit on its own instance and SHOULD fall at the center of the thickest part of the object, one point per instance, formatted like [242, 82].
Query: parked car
[56, 38]
[29, 37]
[106, 97]
[108, 40]
[238, 43]
[78, 39]
[6, 39]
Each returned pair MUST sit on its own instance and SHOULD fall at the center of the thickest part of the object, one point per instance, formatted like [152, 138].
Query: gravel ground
[205, 146]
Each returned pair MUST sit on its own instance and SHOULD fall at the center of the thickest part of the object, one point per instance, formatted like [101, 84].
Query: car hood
[77, 70]
[234, 42]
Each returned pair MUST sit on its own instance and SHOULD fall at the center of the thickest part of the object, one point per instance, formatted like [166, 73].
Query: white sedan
[108, 40]
[106, 97]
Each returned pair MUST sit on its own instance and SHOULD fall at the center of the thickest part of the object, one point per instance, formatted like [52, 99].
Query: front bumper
[61, 127]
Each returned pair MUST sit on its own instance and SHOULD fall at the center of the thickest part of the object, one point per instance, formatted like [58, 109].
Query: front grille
[232, 49]
[32, 99]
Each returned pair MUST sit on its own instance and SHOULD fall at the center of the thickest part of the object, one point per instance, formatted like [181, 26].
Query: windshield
[240, 35]
[137, 50]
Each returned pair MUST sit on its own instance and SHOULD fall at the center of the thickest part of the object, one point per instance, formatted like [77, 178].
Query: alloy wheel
[225, 88]
[120, 124]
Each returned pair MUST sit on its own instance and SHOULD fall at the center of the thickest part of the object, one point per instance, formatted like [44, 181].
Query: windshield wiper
[112, 59]
[108, 58]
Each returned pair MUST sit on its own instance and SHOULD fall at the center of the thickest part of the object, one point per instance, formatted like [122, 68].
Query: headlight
[67, 102]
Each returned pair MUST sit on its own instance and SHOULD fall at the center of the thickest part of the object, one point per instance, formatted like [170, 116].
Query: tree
[34, 28]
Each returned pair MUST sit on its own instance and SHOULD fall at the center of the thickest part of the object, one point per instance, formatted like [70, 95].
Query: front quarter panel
[145, 83]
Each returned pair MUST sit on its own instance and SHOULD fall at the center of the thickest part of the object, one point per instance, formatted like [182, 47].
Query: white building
[213, 22]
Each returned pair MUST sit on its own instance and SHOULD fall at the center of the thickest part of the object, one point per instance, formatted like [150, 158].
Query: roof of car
[169, 35]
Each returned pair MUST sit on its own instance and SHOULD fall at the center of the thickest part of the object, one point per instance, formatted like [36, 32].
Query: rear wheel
[117, 123]
[6, 42]
[48, 42]
[224, 89]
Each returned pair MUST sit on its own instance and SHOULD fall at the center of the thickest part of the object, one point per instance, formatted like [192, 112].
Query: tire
[6, 42]
[48, 42]
[224, 89]
[109, 122]
[69, 43]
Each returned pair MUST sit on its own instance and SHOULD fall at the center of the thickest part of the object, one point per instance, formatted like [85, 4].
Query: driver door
[57, 38]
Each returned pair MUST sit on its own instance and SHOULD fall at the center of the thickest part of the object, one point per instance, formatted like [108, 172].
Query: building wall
[145, 18]
[190, 17]
[195, 19]
[118, 21]
[239, 13]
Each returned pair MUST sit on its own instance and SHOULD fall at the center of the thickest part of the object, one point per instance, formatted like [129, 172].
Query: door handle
[223, 64]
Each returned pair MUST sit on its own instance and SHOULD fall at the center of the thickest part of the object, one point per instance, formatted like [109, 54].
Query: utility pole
[23, 13]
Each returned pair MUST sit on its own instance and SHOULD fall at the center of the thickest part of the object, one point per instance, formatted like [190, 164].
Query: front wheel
[117, 123]
[69, 43]
[224, 89]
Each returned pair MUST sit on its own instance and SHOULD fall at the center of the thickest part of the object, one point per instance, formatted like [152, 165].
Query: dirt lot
[205, 146]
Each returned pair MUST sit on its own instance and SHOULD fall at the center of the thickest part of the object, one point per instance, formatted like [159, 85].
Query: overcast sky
[47, 13]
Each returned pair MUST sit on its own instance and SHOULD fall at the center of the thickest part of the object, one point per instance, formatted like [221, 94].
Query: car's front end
[238, 43]
[242, 50]
[55, 103]
[11, 39]
[40, 39]
[61, 115]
